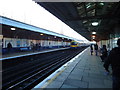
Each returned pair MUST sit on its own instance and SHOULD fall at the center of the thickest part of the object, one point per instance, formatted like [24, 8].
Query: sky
[29, 12]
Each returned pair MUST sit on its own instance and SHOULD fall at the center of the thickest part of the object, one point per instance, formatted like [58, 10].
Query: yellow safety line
[49, 81]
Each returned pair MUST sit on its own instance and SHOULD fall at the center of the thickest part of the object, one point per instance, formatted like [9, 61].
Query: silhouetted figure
[91, 49]
[96, 49]
[9, 47]
[32, 46]
[104, 53]
[39, 46]
[113, 59]
[36, 46]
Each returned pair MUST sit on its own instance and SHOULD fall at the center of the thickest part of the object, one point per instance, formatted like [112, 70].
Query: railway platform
[26, 53]
[84, 71]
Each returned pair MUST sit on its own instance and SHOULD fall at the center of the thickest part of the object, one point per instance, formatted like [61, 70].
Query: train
[74, 44]
[29, 44]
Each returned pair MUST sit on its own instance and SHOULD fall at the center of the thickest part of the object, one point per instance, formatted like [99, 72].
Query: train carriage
[74, 44]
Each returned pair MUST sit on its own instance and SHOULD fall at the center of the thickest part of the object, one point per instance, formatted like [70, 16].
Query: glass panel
[81, 9]
[90, 6]
[73, 43]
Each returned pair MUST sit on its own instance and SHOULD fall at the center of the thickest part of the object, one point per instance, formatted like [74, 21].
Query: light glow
[1, 36]
[95, 23]
[93, 32]
[41, 34]
[93, 36]
[13, 29]
[101, 3]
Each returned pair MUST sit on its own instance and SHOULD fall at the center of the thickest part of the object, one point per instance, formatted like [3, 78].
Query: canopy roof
[80, 16]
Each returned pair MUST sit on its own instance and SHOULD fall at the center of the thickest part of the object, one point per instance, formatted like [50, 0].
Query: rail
[37, 70]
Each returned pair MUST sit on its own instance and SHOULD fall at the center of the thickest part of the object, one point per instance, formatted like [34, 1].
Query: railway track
[29, 73]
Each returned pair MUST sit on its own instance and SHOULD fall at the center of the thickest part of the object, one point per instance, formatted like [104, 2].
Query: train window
[73, 43]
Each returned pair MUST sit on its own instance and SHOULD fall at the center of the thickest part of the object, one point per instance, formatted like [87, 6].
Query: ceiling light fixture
[101, 3]
[41, 34]
[13, 29]
[95, 23]
[93, 36]
[93, 32]
[84, 21]
[88, 6]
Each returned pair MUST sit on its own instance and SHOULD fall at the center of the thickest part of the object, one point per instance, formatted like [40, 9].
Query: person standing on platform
[96, 49]
[9, 47]
[32, 46]
[39, 46]
[91, 49]
[113, 59]
[104, 53]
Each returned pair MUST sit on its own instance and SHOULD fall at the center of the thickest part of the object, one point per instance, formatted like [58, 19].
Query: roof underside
[14, 23]
[80, 15]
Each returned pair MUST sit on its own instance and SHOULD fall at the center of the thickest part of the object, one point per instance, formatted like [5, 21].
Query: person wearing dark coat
[9, 47]
[104, 53]
[96, 49]
[113, 59]
[91, 49]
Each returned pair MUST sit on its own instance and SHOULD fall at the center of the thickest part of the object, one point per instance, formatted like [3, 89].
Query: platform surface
[85, 72]
[27, 53]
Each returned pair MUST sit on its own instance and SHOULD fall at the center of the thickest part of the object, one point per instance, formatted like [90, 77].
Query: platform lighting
[93, 36]
[95, 23]
[84, 21]
[41, 34]
[1, 36]
[88, 6]
[93, 32]
[101, 3]
[116, 38]
[13, 29]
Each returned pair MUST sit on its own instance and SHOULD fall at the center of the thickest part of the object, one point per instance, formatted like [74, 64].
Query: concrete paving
[85, 72]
